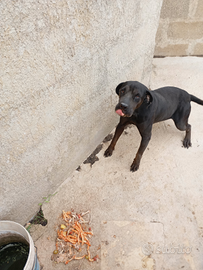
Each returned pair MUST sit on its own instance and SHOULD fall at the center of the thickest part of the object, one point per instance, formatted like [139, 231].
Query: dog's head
[132, 94]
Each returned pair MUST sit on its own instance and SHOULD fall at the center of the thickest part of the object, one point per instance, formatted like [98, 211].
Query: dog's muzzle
[121, 109]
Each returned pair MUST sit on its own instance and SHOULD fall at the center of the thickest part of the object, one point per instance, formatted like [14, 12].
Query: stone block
[171, 50]
[175, 9]
[198, 50]
[199, 10]
[161, 34]
[185, 30]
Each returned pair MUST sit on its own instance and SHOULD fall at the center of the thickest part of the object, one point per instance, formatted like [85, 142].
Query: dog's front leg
[146, 136]
[119, 130]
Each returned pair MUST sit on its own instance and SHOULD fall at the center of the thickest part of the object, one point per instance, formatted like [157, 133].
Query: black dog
[141, 107]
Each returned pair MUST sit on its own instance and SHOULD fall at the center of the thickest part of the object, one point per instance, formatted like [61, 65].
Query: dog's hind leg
[180, 119]
[187, 140]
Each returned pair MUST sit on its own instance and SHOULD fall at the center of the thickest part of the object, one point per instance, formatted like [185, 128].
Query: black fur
[141, 107]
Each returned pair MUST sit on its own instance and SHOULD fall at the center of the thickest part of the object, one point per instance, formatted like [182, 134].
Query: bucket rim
[25, 234]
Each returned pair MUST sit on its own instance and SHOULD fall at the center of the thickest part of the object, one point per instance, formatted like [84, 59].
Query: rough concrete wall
[60, 63]
[180, 29]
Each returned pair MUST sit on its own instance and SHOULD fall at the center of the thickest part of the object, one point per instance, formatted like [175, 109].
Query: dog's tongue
[119, 112]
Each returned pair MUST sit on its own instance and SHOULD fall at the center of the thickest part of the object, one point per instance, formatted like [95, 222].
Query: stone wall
[60, 63]
[180, 29]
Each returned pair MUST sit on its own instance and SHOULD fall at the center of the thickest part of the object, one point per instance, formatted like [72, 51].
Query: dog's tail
[197, 100]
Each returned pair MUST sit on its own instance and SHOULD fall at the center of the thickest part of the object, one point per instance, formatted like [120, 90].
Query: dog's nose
[123, 105]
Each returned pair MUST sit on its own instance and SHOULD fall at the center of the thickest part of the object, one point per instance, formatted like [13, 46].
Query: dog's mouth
[122, 109]
[121, 113]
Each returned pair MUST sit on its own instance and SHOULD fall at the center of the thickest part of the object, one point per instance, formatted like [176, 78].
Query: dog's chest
[138, 118]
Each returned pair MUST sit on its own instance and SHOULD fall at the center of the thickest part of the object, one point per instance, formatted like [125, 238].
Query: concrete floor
[150, 219]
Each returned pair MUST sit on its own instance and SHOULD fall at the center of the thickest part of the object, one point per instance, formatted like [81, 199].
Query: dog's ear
[149, 97]
[119, 87]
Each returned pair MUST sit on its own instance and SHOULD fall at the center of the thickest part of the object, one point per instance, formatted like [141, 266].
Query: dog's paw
[187, 143]
[108, 152]
[134, 167]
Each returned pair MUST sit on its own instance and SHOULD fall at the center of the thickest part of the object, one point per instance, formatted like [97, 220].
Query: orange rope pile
[74, 237]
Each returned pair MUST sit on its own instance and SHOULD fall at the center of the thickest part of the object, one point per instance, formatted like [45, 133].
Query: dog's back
[167, 100]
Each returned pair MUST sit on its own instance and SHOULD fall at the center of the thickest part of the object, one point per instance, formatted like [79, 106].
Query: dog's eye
[136, 97]
[122, 91]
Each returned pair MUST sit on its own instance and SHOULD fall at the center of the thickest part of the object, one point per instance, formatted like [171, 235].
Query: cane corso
[139, 106]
